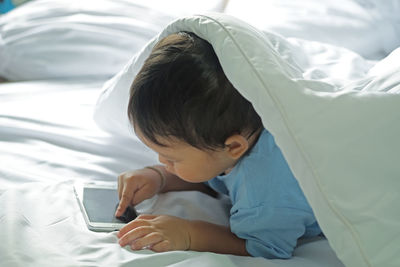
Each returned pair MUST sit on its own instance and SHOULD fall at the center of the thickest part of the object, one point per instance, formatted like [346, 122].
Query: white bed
[48, 138]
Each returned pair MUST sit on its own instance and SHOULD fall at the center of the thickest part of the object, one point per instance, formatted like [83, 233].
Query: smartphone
[98, 203]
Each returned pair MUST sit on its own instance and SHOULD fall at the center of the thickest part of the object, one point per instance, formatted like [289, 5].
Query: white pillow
[82, 38]
[342, 145]
[184, 7]
[368, 27]
[74, 38]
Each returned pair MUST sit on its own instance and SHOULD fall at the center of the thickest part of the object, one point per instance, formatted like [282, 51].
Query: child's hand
[156, 232]
[136, 186]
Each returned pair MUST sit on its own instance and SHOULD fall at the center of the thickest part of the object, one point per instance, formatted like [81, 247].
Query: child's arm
[138, 185]
[210, 237]
[165, 233]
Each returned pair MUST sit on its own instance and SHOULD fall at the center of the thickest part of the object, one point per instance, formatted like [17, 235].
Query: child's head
[182, 94]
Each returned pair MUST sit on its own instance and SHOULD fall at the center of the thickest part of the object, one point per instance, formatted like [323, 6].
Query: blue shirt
[269, 210]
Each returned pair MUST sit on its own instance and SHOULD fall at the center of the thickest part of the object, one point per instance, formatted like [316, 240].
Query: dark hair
[182, 92]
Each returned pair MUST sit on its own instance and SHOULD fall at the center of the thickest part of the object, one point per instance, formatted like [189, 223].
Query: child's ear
[236, 145]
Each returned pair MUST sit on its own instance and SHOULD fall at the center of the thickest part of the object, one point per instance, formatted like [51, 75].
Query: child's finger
[162, 246]
[138, 197]
[147, 216]
[134, 234]
[124, 202]
[138, 222]
[147, 240]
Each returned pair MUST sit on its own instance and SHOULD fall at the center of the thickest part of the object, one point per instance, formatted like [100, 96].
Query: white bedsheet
[48, 139]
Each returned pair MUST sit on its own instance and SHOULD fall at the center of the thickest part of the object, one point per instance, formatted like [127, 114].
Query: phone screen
[101, 203]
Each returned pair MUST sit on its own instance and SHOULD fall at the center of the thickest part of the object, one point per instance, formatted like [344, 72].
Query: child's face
[190, 163]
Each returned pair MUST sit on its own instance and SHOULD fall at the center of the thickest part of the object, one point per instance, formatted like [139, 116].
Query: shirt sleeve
[270, 232]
